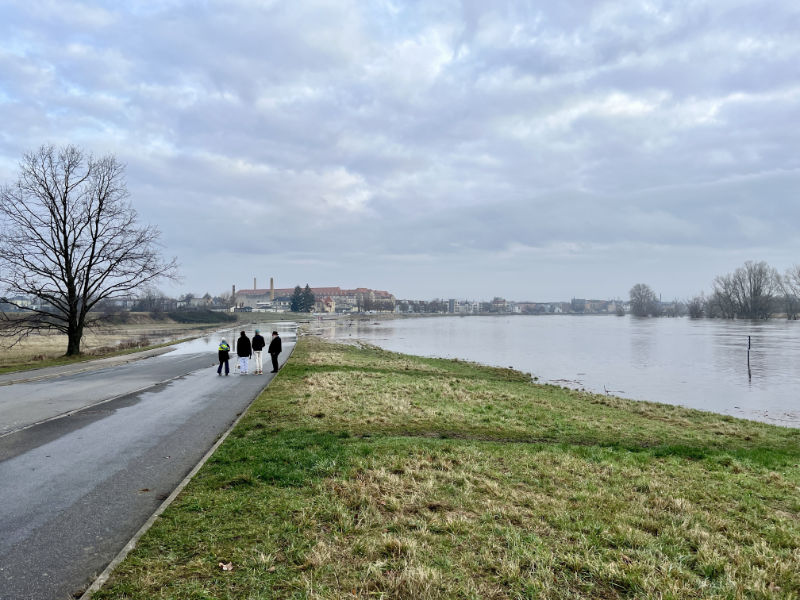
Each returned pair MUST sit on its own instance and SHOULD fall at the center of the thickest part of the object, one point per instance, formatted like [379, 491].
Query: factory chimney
[271, 290]
[233, 295]
[254, 283]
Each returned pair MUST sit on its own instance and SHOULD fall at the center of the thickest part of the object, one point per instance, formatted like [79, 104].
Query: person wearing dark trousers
[244, 350]
[258, 346]
[224, 353]
[274, 350]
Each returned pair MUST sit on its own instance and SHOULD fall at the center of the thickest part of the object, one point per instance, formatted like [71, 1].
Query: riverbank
[123, 334]
[699, 364]
[364, 473]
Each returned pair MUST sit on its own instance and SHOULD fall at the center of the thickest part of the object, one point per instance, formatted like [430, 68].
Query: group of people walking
[247, 349]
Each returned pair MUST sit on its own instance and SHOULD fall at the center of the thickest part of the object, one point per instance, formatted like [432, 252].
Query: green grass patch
[360, 473]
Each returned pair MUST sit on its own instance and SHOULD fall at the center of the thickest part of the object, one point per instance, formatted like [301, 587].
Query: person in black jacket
[274, 350]
[258, 346]
[224, 353]
[245, 351]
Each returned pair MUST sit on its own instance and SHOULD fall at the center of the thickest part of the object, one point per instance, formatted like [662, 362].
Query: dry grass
[364, 474]
[479, 523]
[422, 397]
[46, 349]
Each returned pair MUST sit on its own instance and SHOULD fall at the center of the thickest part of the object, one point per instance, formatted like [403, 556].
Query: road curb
[122, 554]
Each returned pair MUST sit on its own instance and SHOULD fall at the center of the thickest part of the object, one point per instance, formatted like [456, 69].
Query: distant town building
[326, 305]
[578, 305]
[328, 299]
[15, 303]
[499, 304]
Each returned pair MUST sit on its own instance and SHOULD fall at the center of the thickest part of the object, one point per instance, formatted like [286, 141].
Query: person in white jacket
[258, 348]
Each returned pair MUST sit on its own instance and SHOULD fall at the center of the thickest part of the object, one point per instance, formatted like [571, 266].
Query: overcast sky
[531, 150]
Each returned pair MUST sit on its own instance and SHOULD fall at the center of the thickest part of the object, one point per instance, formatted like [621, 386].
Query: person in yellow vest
[224, 355]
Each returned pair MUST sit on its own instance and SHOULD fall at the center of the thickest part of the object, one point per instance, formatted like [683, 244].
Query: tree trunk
[74, 335]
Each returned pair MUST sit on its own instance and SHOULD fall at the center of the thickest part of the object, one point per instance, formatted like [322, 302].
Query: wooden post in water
[749, 374]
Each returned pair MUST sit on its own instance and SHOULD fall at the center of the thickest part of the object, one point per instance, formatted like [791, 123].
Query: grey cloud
[441, 138]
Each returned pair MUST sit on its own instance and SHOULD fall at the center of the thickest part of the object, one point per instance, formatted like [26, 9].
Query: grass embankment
[363, 473]
[124, 333]
[17, 364]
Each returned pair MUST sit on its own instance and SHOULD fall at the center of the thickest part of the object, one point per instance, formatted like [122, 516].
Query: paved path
[74, 489]
[79, 367]
[53, 392]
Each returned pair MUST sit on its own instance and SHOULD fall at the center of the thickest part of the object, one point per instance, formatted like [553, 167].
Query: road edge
[101, 579]
[89, 365]
[69, 413]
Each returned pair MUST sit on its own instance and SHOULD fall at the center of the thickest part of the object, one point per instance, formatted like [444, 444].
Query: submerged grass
[360, 473]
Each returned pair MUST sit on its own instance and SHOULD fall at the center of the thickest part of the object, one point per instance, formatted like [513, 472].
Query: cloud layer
[434, 149]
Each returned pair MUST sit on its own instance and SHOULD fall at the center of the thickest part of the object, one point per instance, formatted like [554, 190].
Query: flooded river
[209, 342]
[696, 363]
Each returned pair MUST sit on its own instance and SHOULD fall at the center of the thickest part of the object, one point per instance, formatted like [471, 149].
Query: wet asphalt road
[74, 490]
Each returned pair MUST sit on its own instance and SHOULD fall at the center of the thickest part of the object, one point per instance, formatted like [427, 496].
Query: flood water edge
[696, 363]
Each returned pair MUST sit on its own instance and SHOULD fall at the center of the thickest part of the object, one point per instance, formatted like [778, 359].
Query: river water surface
[695, 363]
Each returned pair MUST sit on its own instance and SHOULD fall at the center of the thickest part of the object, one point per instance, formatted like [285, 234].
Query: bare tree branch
[789, 285]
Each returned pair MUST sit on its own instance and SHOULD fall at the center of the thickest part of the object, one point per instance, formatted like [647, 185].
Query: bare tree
[226, 298]
[150, 299]
[364, 302]
[675, 309]
[758, 285]
[70, 239]
[748, 293]
[790, 288]
[187, 299]
[644, 301]
[722, 302]
[696, 306]
[384, 305]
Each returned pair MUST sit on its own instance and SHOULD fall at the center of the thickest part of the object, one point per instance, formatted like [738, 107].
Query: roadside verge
[123, 553]
[365, 473]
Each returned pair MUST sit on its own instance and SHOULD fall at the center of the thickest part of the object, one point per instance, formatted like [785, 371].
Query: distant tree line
[436, 305]
[753, 291]
[366, 303]
[155, 301]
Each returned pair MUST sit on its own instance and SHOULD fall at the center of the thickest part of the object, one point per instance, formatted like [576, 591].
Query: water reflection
[642, 339]
[696, 363]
